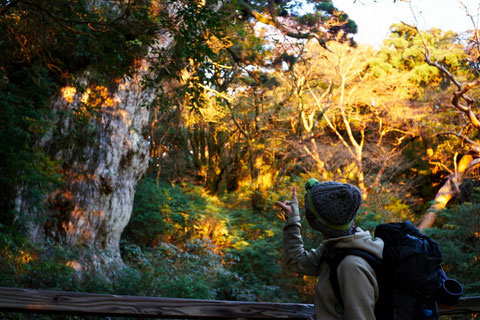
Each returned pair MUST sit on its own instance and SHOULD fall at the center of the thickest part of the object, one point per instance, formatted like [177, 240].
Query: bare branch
[461, 136]
[215, 92]
[272, 20]
[476, 35]
[245, 134]
[463, 88]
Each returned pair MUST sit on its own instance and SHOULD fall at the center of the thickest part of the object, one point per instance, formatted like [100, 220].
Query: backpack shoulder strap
[336, 259]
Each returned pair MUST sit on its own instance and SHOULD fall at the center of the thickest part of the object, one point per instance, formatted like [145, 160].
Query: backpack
[410, 277]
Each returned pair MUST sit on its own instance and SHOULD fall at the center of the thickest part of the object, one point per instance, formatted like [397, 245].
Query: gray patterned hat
[330, 207]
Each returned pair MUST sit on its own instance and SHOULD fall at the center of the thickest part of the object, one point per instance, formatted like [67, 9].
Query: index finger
[294, 194]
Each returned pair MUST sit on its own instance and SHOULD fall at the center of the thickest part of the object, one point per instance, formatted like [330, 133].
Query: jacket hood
[361, 240]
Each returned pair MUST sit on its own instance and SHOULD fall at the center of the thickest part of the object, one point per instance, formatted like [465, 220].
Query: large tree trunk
[101, 169]
[449, 189]
[102, 159]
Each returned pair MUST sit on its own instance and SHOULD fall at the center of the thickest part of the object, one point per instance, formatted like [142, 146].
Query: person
[330, 207]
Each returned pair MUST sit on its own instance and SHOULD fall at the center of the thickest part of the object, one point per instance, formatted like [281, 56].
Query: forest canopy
[158, 135]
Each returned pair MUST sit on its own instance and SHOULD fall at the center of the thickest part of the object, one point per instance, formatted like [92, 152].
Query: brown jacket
[358, 283]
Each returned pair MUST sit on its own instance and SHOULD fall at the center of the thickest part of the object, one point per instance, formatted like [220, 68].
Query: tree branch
[7, 7]
[449, 189]
[462, 88]
[75, 21]
[461, 136]
[274, 22]
[236, 123]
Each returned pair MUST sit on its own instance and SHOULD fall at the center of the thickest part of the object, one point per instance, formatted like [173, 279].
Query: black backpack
[410, 277]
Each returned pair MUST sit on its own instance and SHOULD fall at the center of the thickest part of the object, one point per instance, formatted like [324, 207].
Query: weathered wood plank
[45, 301]
[464, 306]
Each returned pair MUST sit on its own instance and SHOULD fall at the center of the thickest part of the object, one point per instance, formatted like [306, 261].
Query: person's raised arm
[297, 258]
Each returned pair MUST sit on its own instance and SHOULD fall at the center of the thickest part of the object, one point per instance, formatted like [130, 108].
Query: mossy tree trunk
[101, 141]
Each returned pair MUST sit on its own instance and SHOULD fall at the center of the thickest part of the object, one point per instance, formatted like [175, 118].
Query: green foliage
[25, 265]
[424, 74]
[65, 37]
[236, 256]
[44, 45]
[382, 207]
[24, 119]
[459, 238]
[162, 211]
[256, 256]
[170, 271]
[149, 213]
[326, 6]
[404, 49]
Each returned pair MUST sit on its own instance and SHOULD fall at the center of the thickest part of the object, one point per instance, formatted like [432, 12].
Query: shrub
[458, 234]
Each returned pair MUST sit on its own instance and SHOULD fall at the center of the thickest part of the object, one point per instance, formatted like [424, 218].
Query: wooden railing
[90, 304]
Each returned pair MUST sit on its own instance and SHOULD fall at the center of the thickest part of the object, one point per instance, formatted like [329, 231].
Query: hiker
[330, 207]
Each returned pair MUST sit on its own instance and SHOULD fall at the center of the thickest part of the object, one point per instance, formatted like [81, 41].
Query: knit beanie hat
[330, 207]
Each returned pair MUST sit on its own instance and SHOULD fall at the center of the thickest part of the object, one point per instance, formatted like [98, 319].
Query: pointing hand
[290, 207]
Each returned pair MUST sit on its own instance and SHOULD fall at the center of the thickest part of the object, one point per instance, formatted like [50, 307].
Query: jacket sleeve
[297, 258]
[359, 288]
